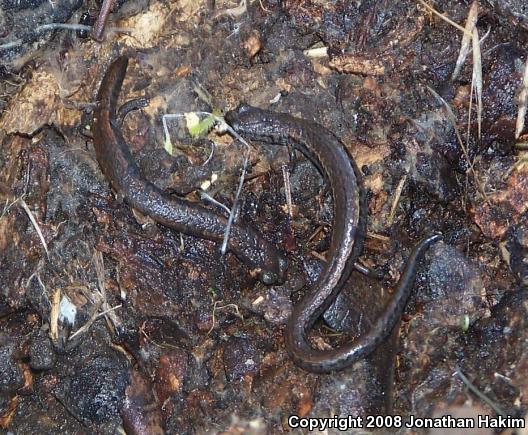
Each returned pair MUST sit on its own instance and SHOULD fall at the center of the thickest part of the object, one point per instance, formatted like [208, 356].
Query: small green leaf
[168, 145]
[464, 323]
[197, 127]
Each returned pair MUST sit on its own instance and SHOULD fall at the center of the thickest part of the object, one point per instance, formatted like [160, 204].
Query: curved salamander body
[330, 156]
[117, 163]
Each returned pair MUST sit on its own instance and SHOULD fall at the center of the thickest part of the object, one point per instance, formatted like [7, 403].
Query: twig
[287, 189]
[379, 237]
[523, 98]
[452, 118]
[396, 200]
[443, 17]
[479, 394]
[109, 310]
[207, 197]
[231, 218]
[6, 192]
[63, 26]
[54, 314]
[35, 224]
[89, 323]
[211, 154]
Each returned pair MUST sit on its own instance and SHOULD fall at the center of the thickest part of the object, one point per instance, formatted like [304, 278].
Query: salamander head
[243, 116]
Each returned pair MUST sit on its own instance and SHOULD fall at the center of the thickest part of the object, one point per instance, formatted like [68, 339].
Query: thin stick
[477, 78]
[207, 197]
[396, 200]
[479, 394]
[287, 189]
[443, 17]
[35, 224]
[54, 314]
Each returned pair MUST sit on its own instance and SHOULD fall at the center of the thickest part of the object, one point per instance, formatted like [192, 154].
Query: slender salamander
[333, 161]
[119, 167]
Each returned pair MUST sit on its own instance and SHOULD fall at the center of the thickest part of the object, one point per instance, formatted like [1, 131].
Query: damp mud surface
[111, 323]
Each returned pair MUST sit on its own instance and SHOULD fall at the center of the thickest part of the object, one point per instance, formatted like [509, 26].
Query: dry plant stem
[479, 394]
[89, 323]
[471, 22]
[99, 26]
[6, 192]
[262, 6]
[443, 17]
[287, 190]
[452, 118]
[100, 272]
[523, 98]
[477, 78]
[54, 314]
[24, 205]
[204, 195]
[396, 200]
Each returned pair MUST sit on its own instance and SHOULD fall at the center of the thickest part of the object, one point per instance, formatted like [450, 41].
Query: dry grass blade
[477, 78]
[471, 22]
[5, 191]
[452, 119]
[443, 17]
[479, 393]
[396, 200]
[88, 324]
[35, 224]
[523, 99]
[262, 6]
[100, 272]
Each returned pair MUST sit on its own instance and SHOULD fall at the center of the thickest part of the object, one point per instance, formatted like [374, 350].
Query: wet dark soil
[119, 324]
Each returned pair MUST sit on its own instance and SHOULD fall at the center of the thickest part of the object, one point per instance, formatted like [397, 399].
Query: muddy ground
[111, 323]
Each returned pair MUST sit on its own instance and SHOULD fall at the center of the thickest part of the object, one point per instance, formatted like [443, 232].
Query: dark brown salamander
[117, 163]
[330, 156]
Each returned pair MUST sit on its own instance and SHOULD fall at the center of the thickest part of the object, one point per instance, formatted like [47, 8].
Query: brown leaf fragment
[7, 416]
